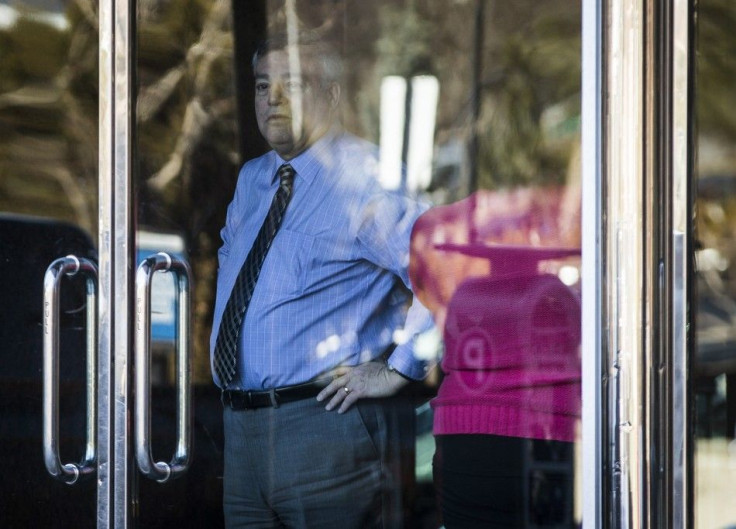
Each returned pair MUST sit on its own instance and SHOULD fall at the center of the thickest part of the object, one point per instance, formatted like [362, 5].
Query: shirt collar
[309, 162]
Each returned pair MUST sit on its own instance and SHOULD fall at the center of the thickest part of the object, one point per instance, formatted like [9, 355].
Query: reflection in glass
[48, 111]
[714, 368]
[48, 210]
[518, 187]
[504, 130]
[510, 315]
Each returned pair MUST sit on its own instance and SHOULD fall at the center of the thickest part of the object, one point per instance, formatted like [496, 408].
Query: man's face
[293, 109]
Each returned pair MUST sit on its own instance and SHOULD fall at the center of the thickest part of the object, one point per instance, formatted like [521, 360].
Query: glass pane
[48, 210]
[186, 158]
[451, 167]
[714, 363]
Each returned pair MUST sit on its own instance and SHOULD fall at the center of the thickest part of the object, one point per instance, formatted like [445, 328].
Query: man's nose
[276, 93]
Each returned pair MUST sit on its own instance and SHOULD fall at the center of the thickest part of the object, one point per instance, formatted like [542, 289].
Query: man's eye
[261, 88]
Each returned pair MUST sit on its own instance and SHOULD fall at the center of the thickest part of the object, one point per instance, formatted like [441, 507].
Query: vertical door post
[116, 259]
[636, 336]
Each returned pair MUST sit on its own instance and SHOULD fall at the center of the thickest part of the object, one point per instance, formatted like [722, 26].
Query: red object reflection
[511, 327]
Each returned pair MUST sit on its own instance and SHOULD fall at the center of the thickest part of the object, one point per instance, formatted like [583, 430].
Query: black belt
[248, 400]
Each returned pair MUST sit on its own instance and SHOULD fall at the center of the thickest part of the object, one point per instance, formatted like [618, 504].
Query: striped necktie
[226, 346]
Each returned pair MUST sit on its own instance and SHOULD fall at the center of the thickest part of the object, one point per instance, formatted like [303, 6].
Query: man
[311, 294]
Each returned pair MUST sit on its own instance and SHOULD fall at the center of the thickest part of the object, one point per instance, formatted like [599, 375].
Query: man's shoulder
[356, 160]
[351, 145]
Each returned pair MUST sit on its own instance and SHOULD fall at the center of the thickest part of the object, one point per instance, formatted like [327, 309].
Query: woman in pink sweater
[508, 407]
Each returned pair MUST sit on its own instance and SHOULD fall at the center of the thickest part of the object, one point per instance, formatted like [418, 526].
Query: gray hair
[323, 54]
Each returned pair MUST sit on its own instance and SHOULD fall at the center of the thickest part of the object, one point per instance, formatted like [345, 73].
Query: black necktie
[226, 346]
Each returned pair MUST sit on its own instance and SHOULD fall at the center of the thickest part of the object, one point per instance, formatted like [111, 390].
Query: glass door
[713, 364]
[185, 155]
[81, 346]
[123, 127]
[479, 102]
[48, 210]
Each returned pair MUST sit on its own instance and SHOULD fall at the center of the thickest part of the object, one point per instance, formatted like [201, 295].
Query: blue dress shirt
[334, 287]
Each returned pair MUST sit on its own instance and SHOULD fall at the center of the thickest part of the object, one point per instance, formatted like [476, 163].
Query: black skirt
[487, 481]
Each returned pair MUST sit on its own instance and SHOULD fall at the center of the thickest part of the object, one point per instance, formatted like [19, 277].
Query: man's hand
[368, 380]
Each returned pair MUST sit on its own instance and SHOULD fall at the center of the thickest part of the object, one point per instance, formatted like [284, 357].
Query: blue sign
[163, 286]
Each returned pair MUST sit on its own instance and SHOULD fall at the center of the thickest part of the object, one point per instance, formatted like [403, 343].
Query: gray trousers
[299, 466]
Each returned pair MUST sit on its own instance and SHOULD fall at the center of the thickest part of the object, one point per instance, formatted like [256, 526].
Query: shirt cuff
[403, 361]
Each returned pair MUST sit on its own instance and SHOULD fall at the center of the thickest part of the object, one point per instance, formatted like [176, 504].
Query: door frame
[637, 247]
[116, 473]
[622, 110]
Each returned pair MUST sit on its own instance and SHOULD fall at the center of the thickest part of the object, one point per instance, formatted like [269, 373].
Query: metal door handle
[161, 471]
[70, 265]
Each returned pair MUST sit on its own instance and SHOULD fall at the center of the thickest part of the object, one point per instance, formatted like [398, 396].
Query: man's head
[297, 91]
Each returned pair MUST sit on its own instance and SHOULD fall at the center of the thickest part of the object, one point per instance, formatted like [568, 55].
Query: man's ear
[333, 92]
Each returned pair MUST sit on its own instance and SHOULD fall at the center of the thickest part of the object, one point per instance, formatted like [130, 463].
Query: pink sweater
[511, 363]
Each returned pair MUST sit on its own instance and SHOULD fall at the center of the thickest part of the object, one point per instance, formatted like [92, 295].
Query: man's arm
[384, 233]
